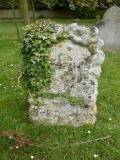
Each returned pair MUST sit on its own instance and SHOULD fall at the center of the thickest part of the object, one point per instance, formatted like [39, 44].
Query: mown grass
[56, 143]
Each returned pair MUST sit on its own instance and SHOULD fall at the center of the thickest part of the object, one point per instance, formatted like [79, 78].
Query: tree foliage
[93, 4]
[64, 3]
[5, 4]
[117, 2]
[87, 9]
[50, 3]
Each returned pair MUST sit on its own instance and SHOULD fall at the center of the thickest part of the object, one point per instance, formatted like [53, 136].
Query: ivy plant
[37, 44]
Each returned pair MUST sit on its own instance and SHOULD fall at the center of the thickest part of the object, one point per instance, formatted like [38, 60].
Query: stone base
[58, 111]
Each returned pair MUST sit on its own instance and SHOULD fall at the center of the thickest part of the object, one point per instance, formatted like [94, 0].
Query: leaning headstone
[109, 29]
[72, 92]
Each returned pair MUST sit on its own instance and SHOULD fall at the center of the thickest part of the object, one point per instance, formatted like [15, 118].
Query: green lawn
[56, 143]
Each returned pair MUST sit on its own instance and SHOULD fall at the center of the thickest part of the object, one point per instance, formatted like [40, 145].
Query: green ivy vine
[37, 43]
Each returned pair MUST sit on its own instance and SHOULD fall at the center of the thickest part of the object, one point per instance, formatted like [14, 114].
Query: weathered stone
[109, 29]
[59, 111]
[77, 65]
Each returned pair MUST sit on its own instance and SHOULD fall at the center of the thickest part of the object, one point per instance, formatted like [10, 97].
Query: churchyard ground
[56, 143]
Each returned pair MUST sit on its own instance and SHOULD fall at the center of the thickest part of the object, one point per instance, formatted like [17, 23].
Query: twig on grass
[66, 154]
[20, 140]
[94, 140]
[19, 80]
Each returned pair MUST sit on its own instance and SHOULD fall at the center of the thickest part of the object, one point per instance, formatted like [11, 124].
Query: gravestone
[76, 66]
[109, 29]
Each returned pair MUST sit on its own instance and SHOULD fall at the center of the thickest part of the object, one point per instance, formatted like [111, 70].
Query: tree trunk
[33, 10]
[16, 24]
[25, 11]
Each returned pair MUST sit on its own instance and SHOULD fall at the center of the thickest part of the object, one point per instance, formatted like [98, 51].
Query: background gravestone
[70, 98]
[109, 29]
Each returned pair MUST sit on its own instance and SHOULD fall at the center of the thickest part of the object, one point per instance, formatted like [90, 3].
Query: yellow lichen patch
[60, 45]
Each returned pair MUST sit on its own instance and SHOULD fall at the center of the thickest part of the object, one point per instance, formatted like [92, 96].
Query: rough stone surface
[77, 65]
[109, 29]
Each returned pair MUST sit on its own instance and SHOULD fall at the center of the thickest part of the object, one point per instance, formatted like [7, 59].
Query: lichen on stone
[70, 97]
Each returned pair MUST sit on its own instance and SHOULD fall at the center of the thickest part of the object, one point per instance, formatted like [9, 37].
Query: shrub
[50, 4]
[117, 2]
[87, 9]
[87, 13]
[5, 4]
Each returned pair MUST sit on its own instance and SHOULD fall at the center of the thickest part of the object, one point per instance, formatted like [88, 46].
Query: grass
[14, 113]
